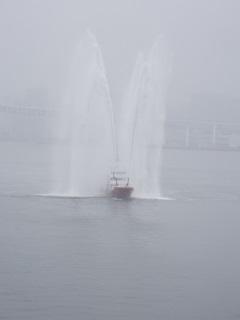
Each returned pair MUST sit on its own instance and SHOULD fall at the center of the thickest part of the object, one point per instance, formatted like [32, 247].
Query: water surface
[105, 259]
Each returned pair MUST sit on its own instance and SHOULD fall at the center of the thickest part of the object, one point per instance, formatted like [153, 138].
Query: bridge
[27, 123]
[27, 111]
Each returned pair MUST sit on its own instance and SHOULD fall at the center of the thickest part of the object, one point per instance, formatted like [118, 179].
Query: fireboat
[120, 186]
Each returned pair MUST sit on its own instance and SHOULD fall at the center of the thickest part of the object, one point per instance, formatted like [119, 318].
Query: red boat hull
[121, 192]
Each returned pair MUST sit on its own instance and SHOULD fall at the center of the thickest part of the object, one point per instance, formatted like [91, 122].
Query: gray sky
[38, 36]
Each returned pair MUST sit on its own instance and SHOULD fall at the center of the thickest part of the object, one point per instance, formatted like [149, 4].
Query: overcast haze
[112, 211]
[38, 38]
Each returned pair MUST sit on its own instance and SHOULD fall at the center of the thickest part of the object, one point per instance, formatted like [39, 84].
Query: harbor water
[104, 259]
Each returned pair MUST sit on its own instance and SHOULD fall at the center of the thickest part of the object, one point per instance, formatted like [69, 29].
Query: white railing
[185, 134]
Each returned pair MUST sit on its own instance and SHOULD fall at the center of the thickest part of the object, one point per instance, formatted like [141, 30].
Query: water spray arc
[89, 123]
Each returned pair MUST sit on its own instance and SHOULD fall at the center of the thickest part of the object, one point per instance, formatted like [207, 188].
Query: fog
[38, 38]
[119, 159]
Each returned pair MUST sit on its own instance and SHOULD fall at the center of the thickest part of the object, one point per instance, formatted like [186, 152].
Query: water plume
[87, 126]
[142, 121]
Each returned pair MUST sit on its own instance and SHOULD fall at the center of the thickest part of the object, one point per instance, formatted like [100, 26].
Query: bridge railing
[24, 123]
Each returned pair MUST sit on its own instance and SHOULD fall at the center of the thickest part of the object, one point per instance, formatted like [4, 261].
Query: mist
[38, 38]
[119, 159]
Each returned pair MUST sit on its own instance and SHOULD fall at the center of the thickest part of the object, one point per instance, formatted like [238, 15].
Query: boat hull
[123, 193]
